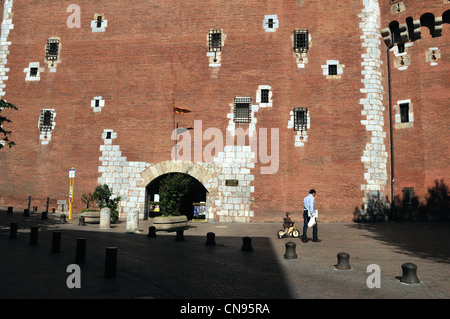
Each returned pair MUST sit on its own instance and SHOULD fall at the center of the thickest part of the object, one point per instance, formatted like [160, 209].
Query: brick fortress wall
[120, 79]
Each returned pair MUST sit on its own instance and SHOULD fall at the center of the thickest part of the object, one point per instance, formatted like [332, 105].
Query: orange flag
[179, 110]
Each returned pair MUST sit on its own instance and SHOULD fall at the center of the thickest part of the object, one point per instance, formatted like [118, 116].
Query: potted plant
[172, 190]
[104, 197]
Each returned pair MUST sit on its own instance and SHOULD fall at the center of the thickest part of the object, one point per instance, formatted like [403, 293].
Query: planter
[91, 217]
[170, 223]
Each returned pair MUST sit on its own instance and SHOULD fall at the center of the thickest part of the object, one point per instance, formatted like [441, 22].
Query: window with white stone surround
[97, 103]
[215, 42]
[264, 96]
[53, 53]
[46, 125]
[299, 122]
[108, 135]
[32, 73]
[270, 23]
[99, 23]
[333, 69]
[301, 43]
[404, 115]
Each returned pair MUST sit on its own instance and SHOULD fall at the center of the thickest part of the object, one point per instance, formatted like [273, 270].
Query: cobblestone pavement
[162, 268]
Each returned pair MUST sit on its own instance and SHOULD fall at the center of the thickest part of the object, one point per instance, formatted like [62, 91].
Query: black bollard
[343, 261]
[80, 255]
[247, 244]
[110, 262]
[56, 242]
[290, 251]
[62, 219]
[10, 210]
[13, 231]
[44, 215]
[210, 239]
[409, 274]
[81, 221]
[34, 235]
[180, 235]
[26, 213]
[151, 232]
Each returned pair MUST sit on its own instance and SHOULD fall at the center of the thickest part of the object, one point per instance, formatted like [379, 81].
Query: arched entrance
[152, 176]
[193, 205]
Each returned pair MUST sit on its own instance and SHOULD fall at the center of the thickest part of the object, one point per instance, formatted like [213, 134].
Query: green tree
[103, 194]
[171, 192]
[5, 133]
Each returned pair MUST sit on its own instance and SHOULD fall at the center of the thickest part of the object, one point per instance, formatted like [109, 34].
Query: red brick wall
[153, 49]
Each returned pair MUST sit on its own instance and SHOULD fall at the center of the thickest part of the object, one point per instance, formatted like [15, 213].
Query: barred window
[33, 71]
[52, 50]
[332, 69]
[215, 40]
[301, 40]
[404, 112]
[264, 95]
[242, 110]
[46, 120]
[300, 118]
[99, 21]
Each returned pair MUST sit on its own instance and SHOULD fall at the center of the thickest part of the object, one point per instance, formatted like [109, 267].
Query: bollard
[62, 219]
[13, 231]
[247, 244]
[80, 251]
[409, 274]
[133, 221]
[34, 235]
[10, 210]
[110, 262]
[151, 232]
[105, 218]
[81, 221]
[343, 261]
[210, 239]
[180, 235]
[44, 215]
[290, 251]
[26, 213]
[56, 242]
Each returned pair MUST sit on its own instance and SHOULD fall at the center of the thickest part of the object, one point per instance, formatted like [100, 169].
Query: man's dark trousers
[306, 219]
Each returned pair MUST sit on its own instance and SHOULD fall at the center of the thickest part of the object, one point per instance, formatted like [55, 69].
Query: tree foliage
[4, 134]
[103, 195]
[171, 192]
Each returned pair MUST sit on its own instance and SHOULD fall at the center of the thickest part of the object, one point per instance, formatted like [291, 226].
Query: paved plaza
[163, 268]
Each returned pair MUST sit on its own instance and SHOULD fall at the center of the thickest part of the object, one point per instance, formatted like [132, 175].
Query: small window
[408, 195]
[108, 135]
[215, 40]
[97, 103]
[46, 121]
[242, 110]
[33, 71]
[270, 23]
[404, 112]
[99, 21]
[301, 41]
[264, 95]
[332, 69]
[52, 50]
[300, 119]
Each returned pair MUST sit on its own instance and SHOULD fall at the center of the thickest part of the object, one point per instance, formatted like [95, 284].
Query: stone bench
[91, 217]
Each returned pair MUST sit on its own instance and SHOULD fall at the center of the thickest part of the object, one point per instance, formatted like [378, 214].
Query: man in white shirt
[308, 211]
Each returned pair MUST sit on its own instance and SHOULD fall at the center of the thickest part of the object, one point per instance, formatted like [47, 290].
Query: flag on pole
[179, 110]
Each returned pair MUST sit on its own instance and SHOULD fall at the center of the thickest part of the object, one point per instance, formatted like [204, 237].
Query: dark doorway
[193, 205]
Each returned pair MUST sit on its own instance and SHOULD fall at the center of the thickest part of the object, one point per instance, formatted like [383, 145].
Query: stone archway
[194, 170]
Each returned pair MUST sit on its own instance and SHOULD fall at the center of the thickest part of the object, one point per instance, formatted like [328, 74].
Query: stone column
[105, 217]
[132, 221]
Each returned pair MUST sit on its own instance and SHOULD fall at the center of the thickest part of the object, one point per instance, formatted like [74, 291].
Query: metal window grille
[45, 120]
[52, 50]
[242, 110]
[215, 40]
[301, 41]
[264, 95]
[332, 69]
[404, 113]
[300, 119]
[33, 71]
